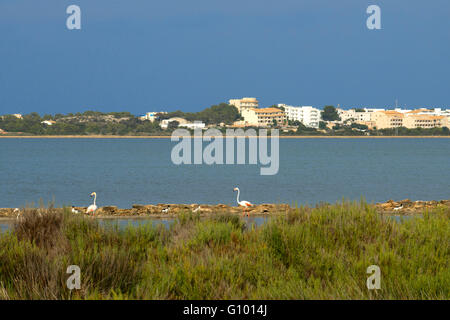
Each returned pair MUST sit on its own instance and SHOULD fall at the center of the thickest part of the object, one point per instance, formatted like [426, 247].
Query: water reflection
[136, 222]
[124, 223]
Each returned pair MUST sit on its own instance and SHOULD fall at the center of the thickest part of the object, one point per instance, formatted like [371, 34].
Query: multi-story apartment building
[387, 119]
[263, 117]
[411, 120]
[244, 103]
[352, 115]
[307, 115]
[432, 112]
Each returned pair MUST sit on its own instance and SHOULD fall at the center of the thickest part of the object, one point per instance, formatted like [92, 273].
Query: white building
[151, 116]
[194, 125]
[402, 110]
[244, 103]
[164, 124]
[307, 115]
[182, 123]
[48, 122]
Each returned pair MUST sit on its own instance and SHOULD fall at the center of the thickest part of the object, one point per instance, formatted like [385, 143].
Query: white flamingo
[244, 204]
[93, 207]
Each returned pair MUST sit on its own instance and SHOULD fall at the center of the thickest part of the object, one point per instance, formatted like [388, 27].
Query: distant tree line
[70, 124]
[216, 114]
[124, 123]
[99, 123]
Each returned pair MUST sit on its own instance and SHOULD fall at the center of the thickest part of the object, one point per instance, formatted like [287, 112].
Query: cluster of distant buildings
[286, 116]
[282, 114]
[389, 119]
[253, 116]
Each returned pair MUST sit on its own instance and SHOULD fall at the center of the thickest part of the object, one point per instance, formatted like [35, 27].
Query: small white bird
[74, 210]
[244, 204]
[18, 214]
[197, 209]
[398, 208]
[166, 210]
[93, 207]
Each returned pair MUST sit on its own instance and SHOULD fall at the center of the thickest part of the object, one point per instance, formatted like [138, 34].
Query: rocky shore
[406, 207]
[403, 207]
[170, 210]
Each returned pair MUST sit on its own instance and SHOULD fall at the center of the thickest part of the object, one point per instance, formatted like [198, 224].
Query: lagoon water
[124, 223]
[140, 171]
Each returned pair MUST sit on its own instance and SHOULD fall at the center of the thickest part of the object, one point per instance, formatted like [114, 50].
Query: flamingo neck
[95, 199]
[237, 198]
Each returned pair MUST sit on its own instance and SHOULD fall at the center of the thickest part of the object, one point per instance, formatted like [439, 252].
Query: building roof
[267, 110]
[426, 117]
[418, 110]
[393, 113]
[177, 119]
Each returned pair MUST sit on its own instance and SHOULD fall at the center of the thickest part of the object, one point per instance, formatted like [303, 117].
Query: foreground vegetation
[319, 253]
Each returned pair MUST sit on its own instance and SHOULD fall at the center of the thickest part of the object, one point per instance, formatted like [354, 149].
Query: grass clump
[308, 253]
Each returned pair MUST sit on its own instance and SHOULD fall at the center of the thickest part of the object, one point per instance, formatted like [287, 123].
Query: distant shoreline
[168, 137]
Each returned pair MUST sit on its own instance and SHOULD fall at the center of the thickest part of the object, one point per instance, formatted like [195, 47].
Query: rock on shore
[410, 207]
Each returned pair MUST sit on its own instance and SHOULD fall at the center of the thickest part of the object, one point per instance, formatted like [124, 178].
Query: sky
[166, 55]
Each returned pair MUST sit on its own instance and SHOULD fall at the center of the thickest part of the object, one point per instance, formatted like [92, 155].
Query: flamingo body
[244, 204]
[93, 207]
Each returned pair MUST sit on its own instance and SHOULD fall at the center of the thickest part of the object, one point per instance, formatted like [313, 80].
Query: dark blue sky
[147, 55]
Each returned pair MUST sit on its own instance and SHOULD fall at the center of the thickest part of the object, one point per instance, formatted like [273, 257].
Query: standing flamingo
[93, 207]
[244, 204]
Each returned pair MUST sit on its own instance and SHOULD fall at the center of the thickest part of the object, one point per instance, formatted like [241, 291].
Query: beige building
[264, 117]
[357, 116]
[387, 119]
[410, 120]
[413, 121]
[244, 103]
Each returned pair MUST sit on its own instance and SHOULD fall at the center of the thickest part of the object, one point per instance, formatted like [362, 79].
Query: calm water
[124, 223]
[128, 171]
